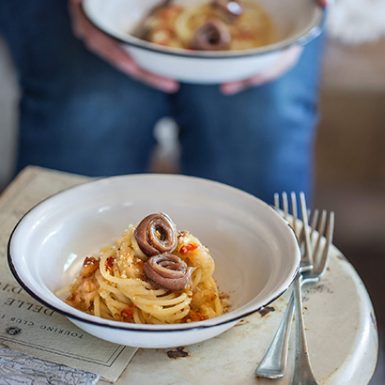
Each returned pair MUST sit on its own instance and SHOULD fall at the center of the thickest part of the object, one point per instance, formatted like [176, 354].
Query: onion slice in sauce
[231, 8]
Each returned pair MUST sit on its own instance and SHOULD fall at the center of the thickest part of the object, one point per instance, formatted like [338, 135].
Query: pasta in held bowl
[207, 41]
[218, 25]
[151, 260]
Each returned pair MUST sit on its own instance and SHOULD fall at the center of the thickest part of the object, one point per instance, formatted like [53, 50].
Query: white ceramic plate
[255, 251]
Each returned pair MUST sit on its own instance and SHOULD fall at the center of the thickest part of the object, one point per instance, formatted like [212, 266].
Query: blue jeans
[79, 114]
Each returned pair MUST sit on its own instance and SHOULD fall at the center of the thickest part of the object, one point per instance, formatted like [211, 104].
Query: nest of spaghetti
[153, 274]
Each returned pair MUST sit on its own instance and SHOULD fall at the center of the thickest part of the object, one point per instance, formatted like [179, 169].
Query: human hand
[286, 62]
[108, 49]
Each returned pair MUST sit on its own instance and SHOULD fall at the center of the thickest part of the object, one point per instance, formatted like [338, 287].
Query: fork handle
[303, 374]
[274, 361]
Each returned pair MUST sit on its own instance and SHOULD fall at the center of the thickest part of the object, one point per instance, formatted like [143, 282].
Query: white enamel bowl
[255, 251]
[296, 21]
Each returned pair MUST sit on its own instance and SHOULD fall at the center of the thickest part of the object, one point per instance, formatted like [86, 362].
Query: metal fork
[273, 363]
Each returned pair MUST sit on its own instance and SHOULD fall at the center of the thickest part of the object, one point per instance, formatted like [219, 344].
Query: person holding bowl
[87, 107]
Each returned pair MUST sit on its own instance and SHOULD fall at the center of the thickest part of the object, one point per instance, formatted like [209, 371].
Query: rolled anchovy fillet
[168, 271]
[156, 234]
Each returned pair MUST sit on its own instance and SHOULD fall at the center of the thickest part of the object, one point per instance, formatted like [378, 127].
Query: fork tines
[291, 216]
[308, 236]
[324, 239]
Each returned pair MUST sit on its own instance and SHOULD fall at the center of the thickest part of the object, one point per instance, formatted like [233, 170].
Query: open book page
[26, 325]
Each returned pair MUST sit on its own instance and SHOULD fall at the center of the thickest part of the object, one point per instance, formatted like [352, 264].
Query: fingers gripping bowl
[295, 22]
[256, 254]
